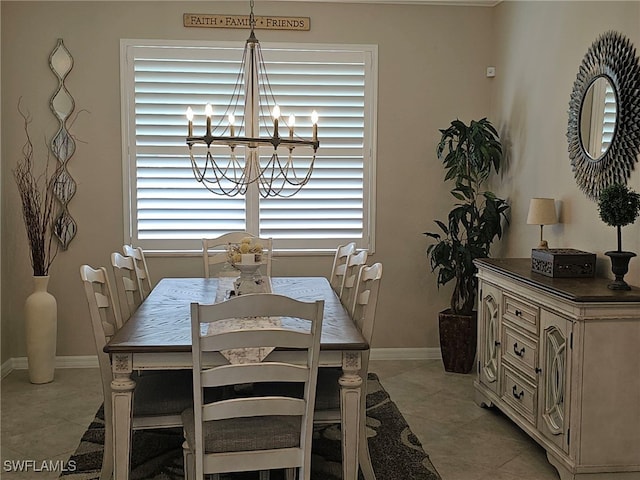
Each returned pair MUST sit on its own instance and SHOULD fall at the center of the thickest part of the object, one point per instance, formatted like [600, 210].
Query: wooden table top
[574, 289]
[162, 322]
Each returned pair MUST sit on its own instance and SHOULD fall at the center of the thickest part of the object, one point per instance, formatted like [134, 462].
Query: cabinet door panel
[553, 418]
[489, 354]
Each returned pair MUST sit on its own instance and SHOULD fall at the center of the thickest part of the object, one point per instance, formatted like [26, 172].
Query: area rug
[396, 453]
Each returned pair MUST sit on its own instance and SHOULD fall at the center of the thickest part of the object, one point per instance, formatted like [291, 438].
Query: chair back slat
[254, 407]
[267, 372]
[256, 338]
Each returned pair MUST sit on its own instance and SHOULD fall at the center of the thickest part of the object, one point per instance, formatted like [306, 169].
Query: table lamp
[542, 211]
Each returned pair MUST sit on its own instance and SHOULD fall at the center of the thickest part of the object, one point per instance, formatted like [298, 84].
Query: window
[601, 99]
[166, 209]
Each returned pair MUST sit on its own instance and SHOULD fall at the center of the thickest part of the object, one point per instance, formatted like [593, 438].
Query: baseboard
[405, 354]
[76, 361]
[91, 361]
[7, 368]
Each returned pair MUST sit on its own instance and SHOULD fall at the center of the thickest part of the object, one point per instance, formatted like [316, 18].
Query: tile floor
[464, 441]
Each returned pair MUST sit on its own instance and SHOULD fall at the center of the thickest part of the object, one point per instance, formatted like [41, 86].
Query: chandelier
[231, 175]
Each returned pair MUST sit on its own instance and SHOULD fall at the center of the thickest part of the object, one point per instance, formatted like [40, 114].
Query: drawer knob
[518, 313]
[496, 343]
[520, 352]
[538, 370]
[516, 395]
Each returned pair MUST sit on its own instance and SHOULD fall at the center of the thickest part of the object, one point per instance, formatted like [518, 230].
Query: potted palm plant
[469, 154]
[619, 206]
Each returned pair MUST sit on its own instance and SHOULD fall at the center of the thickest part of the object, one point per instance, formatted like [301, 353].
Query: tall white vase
[41, 326]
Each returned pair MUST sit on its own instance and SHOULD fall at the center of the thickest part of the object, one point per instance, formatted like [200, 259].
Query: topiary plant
[618, 206]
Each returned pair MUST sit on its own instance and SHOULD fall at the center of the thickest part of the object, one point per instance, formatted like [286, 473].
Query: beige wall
[432, 63]
[539, 47]
[431, 69]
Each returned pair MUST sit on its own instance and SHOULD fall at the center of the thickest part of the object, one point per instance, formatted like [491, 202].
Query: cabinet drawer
[520, 394]
[520, 350]
[521, 313]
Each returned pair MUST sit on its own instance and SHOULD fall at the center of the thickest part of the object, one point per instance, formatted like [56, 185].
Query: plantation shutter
[609, 120]
[169, 210]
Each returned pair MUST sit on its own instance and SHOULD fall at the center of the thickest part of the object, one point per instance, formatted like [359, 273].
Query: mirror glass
[61, 61]
[598, 116]
[62, 104]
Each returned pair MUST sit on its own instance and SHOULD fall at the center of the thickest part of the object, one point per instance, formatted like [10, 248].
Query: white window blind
[609, 119]
[168, 210]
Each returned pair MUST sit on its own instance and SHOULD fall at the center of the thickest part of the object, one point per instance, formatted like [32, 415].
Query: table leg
[350, 395]
[364, 457]
[122, 387]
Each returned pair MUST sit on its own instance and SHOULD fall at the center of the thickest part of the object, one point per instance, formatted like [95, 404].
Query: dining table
[158, 337]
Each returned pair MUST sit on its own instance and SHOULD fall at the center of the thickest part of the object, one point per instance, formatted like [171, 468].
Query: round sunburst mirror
[604, 115]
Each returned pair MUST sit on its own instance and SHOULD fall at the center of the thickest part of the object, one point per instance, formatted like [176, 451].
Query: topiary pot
[619, 267]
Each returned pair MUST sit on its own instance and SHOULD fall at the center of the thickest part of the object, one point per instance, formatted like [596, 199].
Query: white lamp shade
[542, 211]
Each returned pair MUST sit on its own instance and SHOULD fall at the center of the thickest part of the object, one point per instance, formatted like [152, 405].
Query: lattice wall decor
[63, 146]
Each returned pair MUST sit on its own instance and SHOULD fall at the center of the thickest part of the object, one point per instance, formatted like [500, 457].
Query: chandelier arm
[221, 174]
[268, 187]
[201, 178]
[293, 179]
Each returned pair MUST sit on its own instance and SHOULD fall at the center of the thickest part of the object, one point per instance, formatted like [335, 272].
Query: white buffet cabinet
[561, 358]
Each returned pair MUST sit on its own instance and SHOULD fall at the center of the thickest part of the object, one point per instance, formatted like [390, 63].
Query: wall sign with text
[242, 21]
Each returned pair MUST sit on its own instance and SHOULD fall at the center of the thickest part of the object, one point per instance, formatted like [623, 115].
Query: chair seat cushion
[244, 434]
[168, 392]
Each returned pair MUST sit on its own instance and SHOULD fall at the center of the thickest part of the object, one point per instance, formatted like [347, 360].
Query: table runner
[242, 355]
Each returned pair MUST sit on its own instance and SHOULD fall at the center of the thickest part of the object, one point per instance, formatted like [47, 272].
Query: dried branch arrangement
[38, 205]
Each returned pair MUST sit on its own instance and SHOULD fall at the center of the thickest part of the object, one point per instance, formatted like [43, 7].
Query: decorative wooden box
[563, 262]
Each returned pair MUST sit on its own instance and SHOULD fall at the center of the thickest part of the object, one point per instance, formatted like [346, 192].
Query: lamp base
[543, 244]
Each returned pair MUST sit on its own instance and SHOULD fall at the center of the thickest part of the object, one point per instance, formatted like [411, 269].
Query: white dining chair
[158, 399]
[363, 313]
[252, 433]
[354, 262]
[127, 285]
[340, 264]
[214, 252]
[142, 270]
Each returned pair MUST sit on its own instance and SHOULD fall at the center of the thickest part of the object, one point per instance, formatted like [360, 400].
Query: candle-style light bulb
[314, 120]
[208, 111]
[292, 123]
[276, 115]
[232, 121]
[190, 118]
